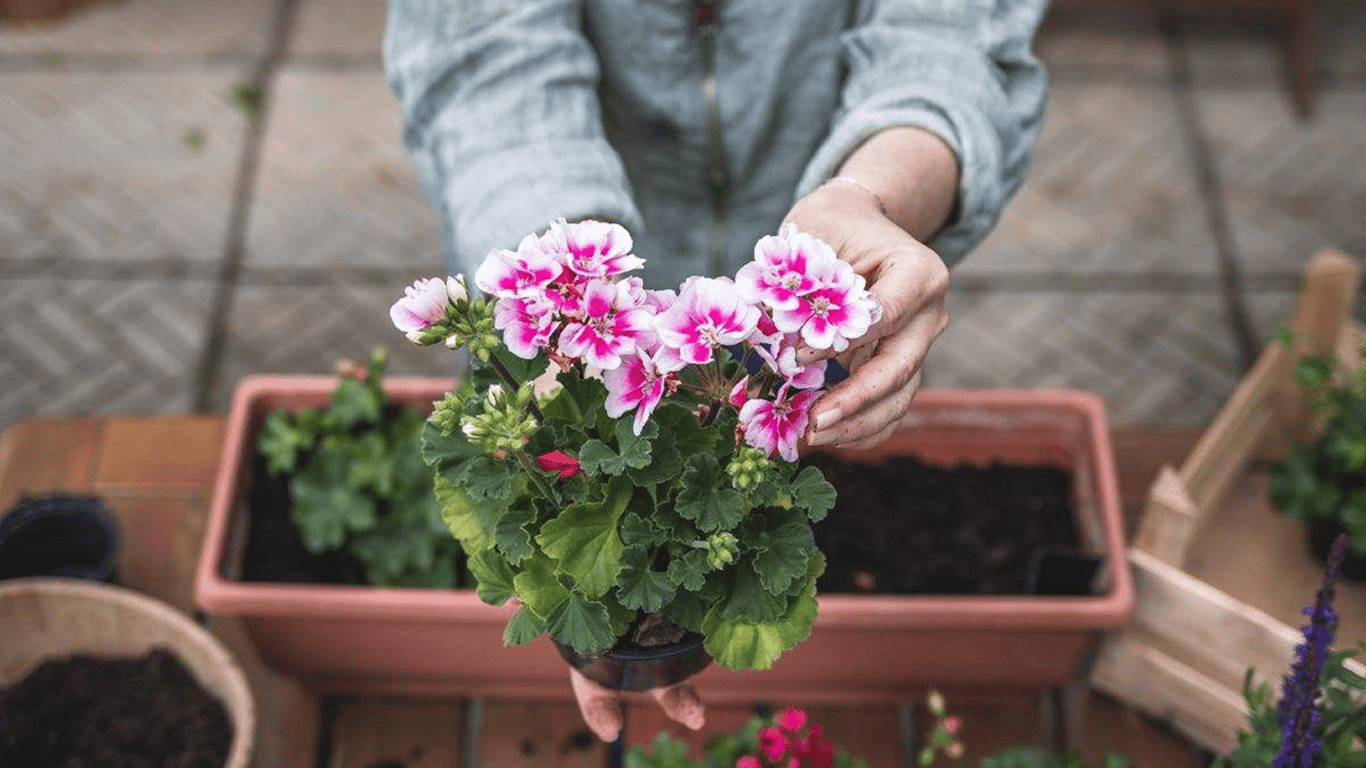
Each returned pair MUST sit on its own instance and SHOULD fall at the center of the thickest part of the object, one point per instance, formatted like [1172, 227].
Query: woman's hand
[910, 282]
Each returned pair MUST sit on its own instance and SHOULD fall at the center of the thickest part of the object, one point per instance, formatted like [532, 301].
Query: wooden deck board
[157, 472]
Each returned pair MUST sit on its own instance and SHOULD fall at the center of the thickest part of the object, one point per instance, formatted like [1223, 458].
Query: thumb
[681, 703]
[600, 708]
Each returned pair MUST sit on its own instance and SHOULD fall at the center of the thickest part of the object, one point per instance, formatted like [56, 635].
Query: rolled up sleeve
[963, 69]
[501, 117]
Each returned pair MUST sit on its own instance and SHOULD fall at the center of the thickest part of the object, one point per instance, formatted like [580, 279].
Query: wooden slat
[160, 536]
[1114, 727]
[288, 718]
[43, 455]
[870, 732]
[989, 726]
[166, 453]
[536, 734]
[1140, 453]
[386, 731]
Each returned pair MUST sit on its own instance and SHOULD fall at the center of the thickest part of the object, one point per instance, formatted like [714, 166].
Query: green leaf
[583, 539]
[640, 587]
[681, 424]
[581, 624]
[522, 628]
[488, 480]
[811, 492]
[712, 508]
[463, 517]
[355, 404]
[688, 610]
[665, 752]
[495, 577]
[638, 529]
[371, 468]
[597, 459]
[690, 570]
[748, 599]
[665, 461]
[740, 645]
[325, 508]
[512, 537]
[282, 440]
[783, 552]
[441, 450]
[538, 587]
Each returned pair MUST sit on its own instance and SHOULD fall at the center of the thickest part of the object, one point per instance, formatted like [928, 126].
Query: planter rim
[218, 595]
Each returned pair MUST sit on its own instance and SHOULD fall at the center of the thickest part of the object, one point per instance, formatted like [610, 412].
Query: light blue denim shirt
[698, 123]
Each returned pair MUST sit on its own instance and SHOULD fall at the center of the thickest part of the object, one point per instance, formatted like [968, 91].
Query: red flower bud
[559, 462]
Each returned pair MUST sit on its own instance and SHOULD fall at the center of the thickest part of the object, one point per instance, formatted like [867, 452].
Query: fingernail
[827, 418]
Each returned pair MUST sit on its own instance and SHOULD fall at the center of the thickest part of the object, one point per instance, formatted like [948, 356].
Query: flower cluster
[1299, 716]
[785, 744]
[617, 456]
[565, 293]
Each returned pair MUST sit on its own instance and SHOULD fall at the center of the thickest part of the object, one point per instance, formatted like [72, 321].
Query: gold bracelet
[881, 206]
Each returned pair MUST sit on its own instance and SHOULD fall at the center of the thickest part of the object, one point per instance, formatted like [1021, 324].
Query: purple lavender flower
[1299, 716]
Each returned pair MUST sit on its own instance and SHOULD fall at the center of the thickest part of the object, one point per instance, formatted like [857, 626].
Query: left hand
[909, 280]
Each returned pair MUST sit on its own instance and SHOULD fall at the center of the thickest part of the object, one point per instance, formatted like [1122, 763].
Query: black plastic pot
[1322, 532]
[639, 669]
[1061, 571]
[61, 535]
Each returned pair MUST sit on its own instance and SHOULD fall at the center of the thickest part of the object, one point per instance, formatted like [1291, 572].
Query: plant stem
[516, 385]
[533, 472]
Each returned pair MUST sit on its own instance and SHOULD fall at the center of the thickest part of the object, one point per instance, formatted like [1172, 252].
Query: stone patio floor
[156, 244]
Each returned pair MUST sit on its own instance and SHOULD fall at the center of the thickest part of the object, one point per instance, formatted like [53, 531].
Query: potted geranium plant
[1323, 482]
[649, 494]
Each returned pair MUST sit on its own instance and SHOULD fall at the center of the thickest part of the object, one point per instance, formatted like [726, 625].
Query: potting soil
[908, 527]
[84, 711]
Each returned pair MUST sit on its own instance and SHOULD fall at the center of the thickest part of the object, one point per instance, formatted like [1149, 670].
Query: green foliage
[358, 483]
[1326, 479]
[660, 522]
[1341, 727]
[1034, 757]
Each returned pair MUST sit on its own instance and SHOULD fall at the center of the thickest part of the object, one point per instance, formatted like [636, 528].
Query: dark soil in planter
[84, 711]
[275, 552]
[904, 526]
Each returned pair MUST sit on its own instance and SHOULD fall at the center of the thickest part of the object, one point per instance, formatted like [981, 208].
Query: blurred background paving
[194, 191]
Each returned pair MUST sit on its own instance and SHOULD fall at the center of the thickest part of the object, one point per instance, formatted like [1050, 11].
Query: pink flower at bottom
[777, 425]
[792, 719]
[748, 761]
[772, 744]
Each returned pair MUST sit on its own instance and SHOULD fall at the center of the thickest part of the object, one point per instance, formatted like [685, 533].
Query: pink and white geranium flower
[638, 383]
[424, 304]
[778, 424]
[709, 313]
[781, 357]
[838, 310]
[527, 324]
[595, 249]
[609, 326]
[782, 270]
[527, 271]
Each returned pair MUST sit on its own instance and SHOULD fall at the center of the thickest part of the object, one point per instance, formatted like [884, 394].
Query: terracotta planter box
[863, 648]
[1221, 577]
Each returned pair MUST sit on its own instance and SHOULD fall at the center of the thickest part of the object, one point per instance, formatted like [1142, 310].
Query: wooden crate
[1220, 576]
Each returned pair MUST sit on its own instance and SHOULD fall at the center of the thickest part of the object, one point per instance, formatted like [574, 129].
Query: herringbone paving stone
[142, 32]
[1090, 42]
[337, 187]
[99, 346]
[1155, 358]
[98, 167]
[308, 327]
[340, 31]
[1290, 186]
[1110, 189]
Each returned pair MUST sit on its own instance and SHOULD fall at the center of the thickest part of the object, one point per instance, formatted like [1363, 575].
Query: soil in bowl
[907, 527]
[85, 711]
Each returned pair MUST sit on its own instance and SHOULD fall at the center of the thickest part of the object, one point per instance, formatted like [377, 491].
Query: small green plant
[1326, 479]
[358, 484]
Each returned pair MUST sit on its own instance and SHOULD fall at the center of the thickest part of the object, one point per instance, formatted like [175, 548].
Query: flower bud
[722, 549]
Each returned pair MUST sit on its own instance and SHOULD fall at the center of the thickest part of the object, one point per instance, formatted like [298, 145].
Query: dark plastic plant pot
[640, 669]
[60, 535]
[1061, 571]
[1322, 532]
